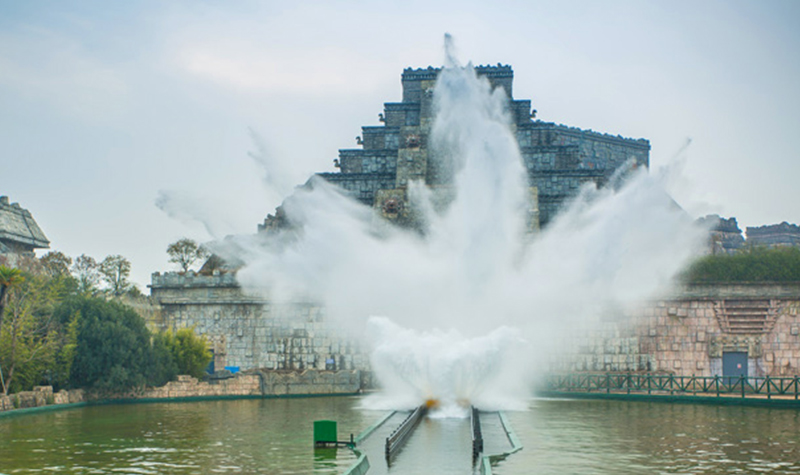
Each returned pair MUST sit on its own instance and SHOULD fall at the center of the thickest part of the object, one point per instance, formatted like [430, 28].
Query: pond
[274, 436]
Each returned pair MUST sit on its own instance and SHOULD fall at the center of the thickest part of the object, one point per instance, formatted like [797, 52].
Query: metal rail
[740, 386]
[477, 436]
[399, 436]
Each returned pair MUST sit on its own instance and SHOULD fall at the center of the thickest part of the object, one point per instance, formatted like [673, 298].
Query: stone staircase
[746, 316]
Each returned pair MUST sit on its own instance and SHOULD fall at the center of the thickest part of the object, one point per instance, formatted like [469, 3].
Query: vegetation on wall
[757, 264]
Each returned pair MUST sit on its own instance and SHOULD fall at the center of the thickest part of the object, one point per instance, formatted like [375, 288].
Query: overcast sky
[104, 105]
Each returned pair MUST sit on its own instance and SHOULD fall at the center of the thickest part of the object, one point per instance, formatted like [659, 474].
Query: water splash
[473, 286]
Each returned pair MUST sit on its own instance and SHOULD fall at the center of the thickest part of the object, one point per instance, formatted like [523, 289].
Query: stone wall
[689, 333]
[187, 386]
[262, 383]
[39, 397]
[248, 331]
[255, 384]
[774, 235]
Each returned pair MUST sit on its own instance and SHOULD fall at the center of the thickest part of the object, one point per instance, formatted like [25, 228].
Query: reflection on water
[274, 436]
[612, 437]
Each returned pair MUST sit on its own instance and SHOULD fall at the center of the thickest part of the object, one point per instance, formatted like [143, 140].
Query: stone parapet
[192, 279]
[741, 290]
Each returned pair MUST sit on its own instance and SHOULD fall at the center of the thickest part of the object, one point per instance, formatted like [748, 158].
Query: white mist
[468, 312]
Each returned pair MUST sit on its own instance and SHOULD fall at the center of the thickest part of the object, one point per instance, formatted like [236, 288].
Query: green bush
[113, 353]
[750, 265]
[164, 368]
[189, 351]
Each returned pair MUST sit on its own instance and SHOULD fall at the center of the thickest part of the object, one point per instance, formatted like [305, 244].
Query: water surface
[263, 436]
[274, 436]
[617, 437]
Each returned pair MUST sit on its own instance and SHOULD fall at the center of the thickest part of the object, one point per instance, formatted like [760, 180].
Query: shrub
[189, 351]
[113, 353]
[751, 265]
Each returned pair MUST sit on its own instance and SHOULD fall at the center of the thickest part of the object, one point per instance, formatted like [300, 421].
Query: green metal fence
[629, 383]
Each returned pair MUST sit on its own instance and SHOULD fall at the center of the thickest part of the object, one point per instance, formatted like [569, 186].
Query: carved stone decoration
[751, 344]
[392, 206]
[412, 141]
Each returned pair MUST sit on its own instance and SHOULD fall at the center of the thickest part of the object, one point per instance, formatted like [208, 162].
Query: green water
[264, 436]
[614, 437]
[273, 436]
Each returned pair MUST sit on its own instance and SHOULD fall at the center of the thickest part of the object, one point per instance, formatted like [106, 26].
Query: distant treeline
[756, 264]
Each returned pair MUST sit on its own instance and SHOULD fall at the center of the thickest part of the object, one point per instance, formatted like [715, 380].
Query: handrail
[477, 436]
[398, 437]
[486, 461]
[741, 386]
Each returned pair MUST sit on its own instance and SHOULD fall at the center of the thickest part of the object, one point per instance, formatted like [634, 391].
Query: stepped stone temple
[702, 330]
[559, 159]
[19, 233]
[248, 332]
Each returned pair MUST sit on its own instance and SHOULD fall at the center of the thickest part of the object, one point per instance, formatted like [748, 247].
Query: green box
[325, 431]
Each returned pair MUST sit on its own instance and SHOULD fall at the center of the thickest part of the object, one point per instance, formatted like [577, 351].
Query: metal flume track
[399, 436]
[477, 436]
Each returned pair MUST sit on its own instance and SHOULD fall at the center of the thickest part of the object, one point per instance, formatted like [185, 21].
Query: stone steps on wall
[746, 316]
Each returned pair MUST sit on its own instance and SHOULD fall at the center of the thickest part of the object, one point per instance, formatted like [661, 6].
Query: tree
[9, 278]
[87, 272]
[113, 351]
[115, 271]
[186, 252]
[29, 336]
[189, 351]
[56, 263]
[65, 354]
[164, 368]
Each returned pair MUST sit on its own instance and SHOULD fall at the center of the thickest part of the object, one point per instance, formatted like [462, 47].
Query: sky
[107, 106]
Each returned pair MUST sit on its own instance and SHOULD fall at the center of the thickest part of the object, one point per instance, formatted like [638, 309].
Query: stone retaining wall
[187, 386]
[257, 384]
[40, 396]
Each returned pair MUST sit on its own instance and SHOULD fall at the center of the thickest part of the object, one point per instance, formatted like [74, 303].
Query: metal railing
[742, 386]
[400, 435]
[477, 436]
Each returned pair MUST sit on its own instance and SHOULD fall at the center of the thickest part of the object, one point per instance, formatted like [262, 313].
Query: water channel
[273, 436]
